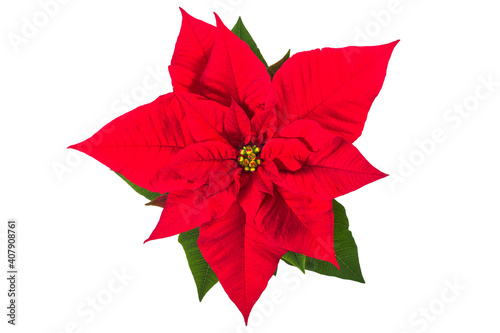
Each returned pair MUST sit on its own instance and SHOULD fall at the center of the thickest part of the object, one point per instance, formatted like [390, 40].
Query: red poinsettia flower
[255, 164]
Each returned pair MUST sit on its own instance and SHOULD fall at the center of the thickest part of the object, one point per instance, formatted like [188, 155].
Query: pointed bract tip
[217, 18]
[334, 261]
[245, 311]
[219, 22]
[184, 13]
[380, 175]
[393, 44]
[79, 146]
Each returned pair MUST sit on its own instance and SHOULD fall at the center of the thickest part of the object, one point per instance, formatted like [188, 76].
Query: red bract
[255, 164]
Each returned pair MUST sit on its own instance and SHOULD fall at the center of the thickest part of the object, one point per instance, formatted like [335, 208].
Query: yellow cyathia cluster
[249, 158]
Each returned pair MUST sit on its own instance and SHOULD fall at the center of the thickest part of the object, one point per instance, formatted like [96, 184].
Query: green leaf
[142, 191]
[346, 251]
[241, 31]
[203, 275]
[295, 259]
[274, 68]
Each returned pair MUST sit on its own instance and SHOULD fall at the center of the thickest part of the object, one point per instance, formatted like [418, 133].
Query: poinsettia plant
[247, 159]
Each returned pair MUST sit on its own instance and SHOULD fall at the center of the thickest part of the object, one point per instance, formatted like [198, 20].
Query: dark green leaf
[274, 68]
[142, 191]
[203, 275]
[241, 31]
[296, 259]
[346, 251]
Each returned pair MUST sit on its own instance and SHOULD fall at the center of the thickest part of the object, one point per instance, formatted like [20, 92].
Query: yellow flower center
[249, 158]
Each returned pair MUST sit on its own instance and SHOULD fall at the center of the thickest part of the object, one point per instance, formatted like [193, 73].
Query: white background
[435, 225]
